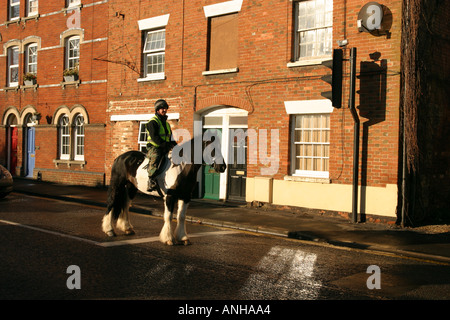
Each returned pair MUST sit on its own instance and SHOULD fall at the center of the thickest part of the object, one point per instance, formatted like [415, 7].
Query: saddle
[161, 164]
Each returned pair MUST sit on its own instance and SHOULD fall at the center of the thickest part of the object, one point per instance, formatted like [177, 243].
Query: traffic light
[335, 78]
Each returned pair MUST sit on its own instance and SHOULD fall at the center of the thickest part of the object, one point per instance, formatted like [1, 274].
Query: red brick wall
[49, 96]
[261, 86]
[377, 98]
[264, 81]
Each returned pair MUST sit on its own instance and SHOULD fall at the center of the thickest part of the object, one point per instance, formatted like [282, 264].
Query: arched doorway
[12, 141]
[29, 136]
[230, 124]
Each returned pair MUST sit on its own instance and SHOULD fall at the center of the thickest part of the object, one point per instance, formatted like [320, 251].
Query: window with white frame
[64, 138]
[13, 66]
[154, 53]
[31, 58]
[72, 3]
[313, 29]
[32, 7]
[14, 9]
[143, 134]
[72, 52]
[311, 145]
[79, 137]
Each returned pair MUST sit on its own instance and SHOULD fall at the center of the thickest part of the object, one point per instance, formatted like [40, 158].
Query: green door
[211, 179]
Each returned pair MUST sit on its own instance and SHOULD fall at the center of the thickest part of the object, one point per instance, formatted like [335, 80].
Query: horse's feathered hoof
[130, 232]
[169, 243]
[110, 233]
[186, 242]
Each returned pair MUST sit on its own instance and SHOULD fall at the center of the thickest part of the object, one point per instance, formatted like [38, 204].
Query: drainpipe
[403, 177]
[351, 104]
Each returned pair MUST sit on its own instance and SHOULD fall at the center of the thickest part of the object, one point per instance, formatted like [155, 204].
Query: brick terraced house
[52, 127]
[257, 66]
[250, 71]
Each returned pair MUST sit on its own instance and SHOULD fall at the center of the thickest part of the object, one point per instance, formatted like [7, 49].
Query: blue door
[30, 151]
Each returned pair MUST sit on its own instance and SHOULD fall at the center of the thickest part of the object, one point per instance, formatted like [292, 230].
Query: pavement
[312, 226]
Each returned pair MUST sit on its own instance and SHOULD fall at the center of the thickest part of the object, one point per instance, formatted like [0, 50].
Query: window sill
[153, 77]
[71, 8]
[12, 21]
[221, 71]
[34, 16]
[11, 88]
[309, 62]
[69, 163]
[70, 83]
[33, 86]
[307, 179]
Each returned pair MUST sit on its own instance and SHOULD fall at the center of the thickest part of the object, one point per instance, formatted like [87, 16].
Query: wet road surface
[42, 240]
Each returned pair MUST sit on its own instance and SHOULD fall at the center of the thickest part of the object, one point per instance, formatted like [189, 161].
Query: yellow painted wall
[380, 201]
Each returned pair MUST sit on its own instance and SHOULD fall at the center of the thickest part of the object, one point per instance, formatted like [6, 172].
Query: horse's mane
[188, 145]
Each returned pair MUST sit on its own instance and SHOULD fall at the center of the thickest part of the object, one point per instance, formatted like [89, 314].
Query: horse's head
[216, 160]
[219, 167]
[212, 154]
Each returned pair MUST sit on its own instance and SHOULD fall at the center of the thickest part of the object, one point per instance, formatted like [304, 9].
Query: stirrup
[152, 185]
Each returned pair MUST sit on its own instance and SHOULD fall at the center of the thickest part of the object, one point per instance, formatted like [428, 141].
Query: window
[71, 135]
[153, 47]
[13, 66]
[14, 9]
[64, 138]
[72, 3]
[31, 58]
[72, 52]
[313, 29]
[222, 36]
[79, 137]
[311, 145]
[154, 53]
[223, 42]
[32, 7]
[143, 136]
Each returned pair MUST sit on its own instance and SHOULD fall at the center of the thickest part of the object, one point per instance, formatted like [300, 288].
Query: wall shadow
[372, 106]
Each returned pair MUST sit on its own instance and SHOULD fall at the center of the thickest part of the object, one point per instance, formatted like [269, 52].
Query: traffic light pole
[335, 95]
[351, 105]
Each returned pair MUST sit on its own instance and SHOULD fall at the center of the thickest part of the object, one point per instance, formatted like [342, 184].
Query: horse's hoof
[186, 242]
[169, 243]
[111, 233]
[130, 232]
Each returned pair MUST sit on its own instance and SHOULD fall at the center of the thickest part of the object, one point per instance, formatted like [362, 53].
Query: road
[56, 250]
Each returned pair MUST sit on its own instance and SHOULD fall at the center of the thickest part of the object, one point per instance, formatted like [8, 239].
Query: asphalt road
[56, 250]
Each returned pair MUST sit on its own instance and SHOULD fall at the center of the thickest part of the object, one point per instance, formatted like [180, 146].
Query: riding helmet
[161, 104]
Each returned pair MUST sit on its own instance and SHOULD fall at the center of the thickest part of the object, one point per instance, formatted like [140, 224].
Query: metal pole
[351, 104]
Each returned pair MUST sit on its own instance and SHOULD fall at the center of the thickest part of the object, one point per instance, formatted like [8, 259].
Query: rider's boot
[152, 185]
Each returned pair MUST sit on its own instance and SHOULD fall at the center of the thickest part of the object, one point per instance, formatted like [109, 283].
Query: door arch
[30, 144]
[12, 137]
[231, 122]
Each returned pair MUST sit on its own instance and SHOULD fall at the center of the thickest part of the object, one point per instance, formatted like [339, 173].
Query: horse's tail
[120, 187]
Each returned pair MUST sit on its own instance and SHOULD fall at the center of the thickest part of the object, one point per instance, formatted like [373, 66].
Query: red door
[13, 151]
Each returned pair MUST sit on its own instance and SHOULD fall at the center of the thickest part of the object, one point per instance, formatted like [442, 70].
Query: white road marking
[113, 243]
[49, 232]
[155, 239]
[288, 272]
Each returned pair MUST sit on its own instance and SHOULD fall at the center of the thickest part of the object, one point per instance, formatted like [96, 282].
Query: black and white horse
[176, 182]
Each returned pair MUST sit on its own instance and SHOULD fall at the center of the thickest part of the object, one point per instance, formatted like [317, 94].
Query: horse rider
[159, 140]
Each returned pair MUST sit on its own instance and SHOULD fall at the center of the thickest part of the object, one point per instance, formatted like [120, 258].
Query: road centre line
[108, 244]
